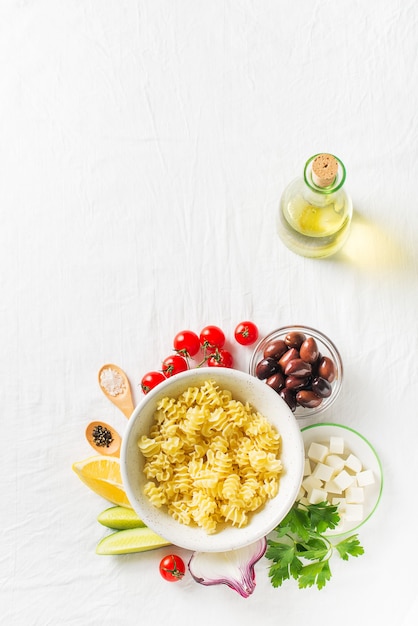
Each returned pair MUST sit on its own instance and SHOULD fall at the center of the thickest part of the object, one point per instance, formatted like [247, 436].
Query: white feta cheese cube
[354, 495]
[343, 480]
[364, 478]
[302, 492]
[323, 472]
[317, 452]
[304, 501]
[353, 512]
[307, 470]
[336, 445]
[353, 463]
[335, 461]
[340, 502]
[331, 487]
[317, 495]
[310, 482]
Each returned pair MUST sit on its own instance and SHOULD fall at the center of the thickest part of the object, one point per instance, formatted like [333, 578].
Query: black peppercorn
[102, 436]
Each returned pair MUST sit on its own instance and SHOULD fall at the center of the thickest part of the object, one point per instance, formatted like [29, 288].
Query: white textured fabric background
[144, 146]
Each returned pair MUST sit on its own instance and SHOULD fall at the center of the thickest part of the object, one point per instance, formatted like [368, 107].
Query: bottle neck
[324, 173]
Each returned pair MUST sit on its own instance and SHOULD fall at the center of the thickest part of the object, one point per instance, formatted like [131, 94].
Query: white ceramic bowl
[365, 452]
[245, 388]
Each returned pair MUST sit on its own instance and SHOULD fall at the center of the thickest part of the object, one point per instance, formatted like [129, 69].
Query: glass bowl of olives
[303, 365]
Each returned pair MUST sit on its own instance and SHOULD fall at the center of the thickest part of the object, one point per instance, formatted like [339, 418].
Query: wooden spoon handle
[126, 405]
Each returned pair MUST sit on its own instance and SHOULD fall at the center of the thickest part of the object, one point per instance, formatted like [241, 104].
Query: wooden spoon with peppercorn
[103, 438]
[115, 385]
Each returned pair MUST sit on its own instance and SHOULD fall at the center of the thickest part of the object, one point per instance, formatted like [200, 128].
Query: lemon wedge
[102, 474]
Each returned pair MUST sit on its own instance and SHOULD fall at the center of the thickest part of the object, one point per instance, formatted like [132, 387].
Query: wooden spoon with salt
[103, 438]
[115, 385]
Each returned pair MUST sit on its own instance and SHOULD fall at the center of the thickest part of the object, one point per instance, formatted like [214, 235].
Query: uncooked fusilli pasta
[210, 459]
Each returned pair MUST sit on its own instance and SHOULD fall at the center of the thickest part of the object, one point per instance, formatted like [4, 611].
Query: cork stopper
[324, 170]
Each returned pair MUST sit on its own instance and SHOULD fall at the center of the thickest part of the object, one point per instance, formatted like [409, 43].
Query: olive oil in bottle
[315, 211]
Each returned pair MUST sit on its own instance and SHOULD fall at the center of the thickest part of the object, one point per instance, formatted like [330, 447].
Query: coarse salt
[112, 382]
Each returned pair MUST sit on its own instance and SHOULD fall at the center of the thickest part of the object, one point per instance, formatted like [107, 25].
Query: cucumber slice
[120, 518]
[130, 540]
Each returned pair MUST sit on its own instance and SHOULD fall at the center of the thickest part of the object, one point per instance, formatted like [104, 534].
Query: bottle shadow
[373, 249]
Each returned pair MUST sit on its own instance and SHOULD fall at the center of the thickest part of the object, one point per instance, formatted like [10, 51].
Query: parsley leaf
[296, 521]
[303, 552]
[323, 516]
[281, 553]
[350, 546]
[285, 562]
[313, 549]
[315, 574]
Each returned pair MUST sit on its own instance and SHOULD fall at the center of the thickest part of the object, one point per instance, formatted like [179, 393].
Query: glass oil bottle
[315, 211]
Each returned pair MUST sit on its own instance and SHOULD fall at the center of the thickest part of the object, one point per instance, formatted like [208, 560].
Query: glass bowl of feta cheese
[343, 468]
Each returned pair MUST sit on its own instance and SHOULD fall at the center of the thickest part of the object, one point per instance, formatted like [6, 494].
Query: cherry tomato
[212, 337]
[246, 333]
[220, 358]
[172, 568]
[174, 364]
[151, 380]
[186, 343]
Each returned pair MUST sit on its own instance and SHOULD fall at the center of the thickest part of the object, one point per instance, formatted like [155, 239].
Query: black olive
[266, 368]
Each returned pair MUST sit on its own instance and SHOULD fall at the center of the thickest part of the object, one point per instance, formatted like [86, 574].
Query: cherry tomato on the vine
[172, 568]
[151, 380]
[246, 333]
[212, 337]
[186, 343]
[174, 364]
[220, 358]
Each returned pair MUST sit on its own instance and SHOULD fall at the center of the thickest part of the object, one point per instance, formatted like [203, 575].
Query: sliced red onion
[234, 568]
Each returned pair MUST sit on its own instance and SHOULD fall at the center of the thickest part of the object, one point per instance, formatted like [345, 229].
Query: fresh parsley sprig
[305, 552]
